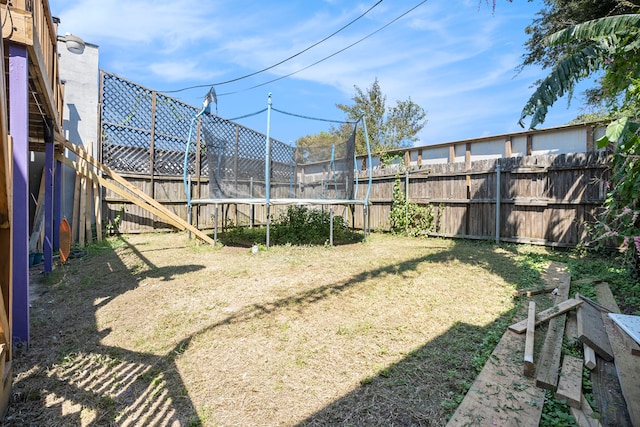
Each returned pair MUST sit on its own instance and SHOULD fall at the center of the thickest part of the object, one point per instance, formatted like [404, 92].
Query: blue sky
[457, 59]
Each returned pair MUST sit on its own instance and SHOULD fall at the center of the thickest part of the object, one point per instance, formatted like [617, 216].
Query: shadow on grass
[69, 378]
[420, 390]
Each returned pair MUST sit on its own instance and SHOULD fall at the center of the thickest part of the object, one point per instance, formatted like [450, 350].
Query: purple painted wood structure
[19, 129]
[49, 165]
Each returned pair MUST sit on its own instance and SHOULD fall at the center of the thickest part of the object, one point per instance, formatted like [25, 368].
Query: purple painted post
[57, 206]
[48, 206]
[19, 130]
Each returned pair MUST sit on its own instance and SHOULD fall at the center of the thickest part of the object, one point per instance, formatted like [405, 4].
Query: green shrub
[409, 218]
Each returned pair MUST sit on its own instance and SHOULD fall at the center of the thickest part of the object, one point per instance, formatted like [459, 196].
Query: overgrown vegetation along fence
[547, 199]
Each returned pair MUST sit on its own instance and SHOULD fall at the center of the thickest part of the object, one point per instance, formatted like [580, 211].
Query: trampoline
[277, 174]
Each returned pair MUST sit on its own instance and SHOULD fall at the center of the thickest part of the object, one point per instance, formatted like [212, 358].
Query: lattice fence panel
[146, 132]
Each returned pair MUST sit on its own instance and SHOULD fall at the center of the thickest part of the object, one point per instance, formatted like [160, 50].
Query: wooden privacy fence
[547, 199]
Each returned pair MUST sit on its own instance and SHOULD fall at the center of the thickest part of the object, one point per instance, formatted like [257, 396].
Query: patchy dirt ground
[154, 330]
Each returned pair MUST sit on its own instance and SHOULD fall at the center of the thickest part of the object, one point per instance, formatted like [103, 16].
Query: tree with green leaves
[610, 45]
[313, 148]
[560, 14]
[387, 128]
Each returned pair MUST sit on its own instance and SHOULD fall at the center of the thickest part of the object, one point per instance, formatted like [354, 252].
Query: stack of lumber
[92, 173]
[86, 206]
[509, 391]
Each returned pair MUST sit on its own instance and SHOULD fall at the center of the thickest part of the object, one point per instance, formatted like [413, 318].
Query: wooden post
[75, 221]
[152, 152]
[236, 156]
[420, 157]
[508, 147]
[529, 144]
[452, 154]
[38, 218]
[467, 157]
[590, 144]
[88, 198]
[82, 221]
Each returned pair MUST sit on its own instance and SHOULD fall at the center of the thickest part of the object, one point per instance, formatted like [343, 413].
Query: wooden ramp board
[607, 395]
[591, 331]
[556, 274]
[628, 369]
[627, 365]
[502, 395]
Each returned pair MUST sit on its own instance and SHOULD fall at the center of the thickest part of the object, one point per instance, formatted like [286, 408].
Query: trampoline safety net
[237, 168]
[146, 132]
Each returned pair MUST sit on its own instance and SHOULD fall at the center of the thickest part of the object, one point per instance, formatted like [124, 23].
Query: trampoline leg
[268, 224]
[189, 207]
[331, 226]
[215, 226]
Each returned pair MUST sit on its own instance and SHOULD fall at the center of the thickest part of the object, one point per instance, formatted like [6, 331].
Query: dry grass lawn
[154, 330]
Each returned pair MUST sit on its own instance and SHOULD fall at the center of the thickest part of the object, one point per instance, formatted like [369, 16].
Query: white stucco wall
[80, 74]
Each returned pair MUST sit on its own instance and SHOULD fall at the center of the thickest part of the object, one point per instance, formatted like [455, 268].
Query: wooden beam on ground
[547, 314]
[551, 351]
[586, 281]
[584, 415]
[591, 331]
[628, 369]
[80, 152]
[627, 365]
[607, 395]
[529, 366]
[600, 307]
[556, 274]
[501, 395]
[570, 384]
[529, 292]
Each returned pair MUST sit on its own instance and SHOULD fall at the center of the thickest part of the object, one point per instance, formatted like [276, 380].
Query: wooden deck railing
[35, 27]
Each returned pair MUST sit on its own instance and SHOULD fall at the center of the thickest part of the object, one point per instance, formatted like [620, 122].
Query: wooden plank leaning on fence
[129, 191]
